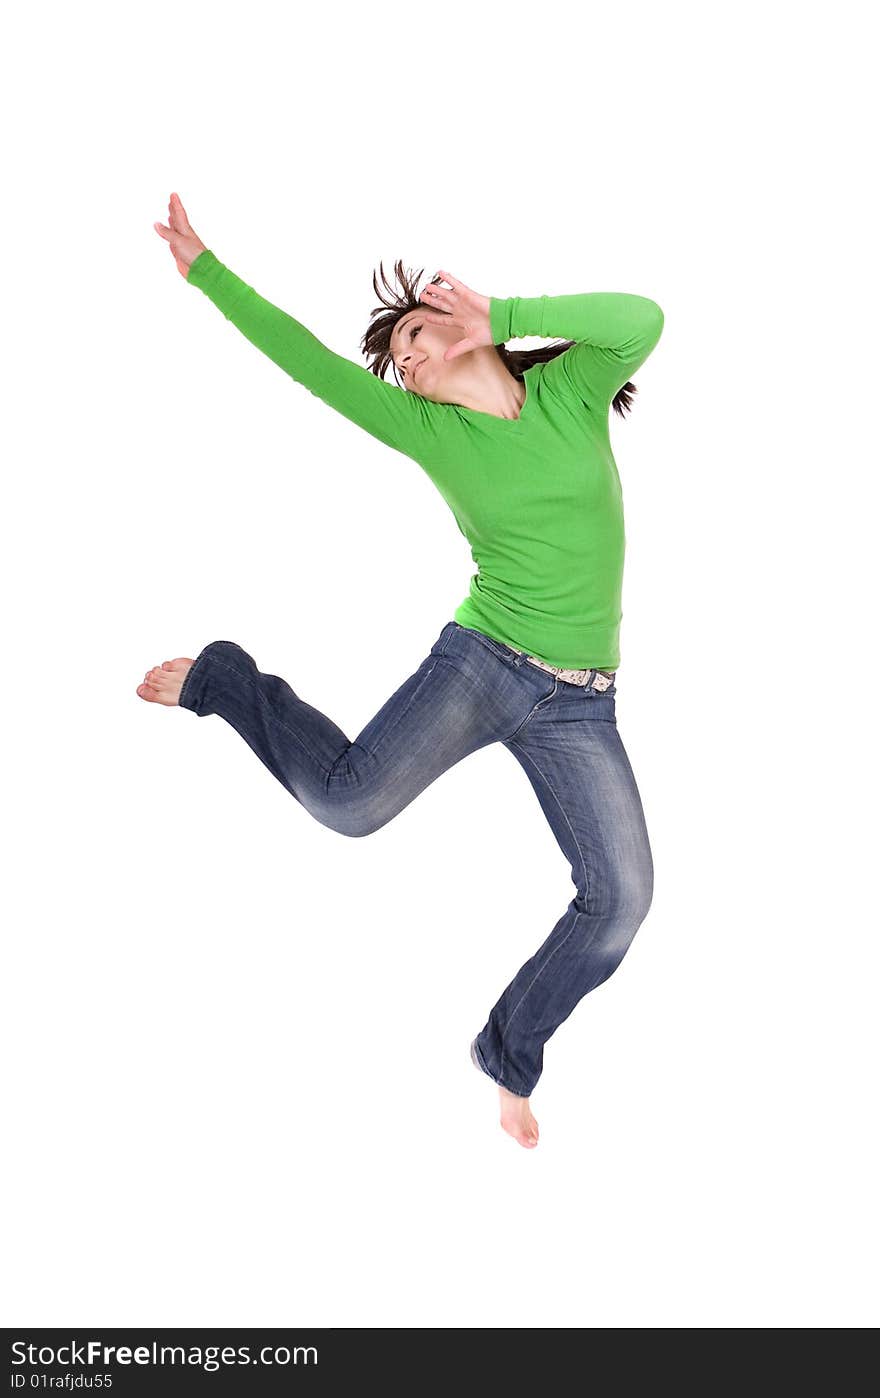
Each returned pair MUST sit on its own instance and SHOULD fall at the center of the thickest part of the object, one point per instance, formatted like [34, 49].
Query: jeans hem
[192, 675]
[477, 1060]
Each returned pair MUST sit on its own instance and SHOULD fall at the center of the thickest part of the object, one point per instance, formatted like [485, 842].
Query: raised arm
[402, 420]
[398, 418]
[613, 331]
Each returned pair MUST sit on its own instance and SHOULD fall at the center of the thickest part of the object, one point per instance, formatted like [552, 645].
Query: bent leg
[436, 718]
[574, 758]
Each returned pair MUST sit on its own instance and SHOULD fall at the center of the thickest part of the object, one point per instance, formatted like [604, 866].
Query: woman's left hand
[467, 310]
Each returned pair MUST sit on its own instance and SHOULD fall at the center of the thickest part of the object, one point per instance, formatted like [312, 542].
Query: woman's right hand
[462, 307]
[184, 243]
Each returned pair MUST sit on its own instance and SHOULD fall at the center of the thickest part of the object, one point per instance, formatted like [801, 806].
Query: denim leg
[574, 758]
[460, 698]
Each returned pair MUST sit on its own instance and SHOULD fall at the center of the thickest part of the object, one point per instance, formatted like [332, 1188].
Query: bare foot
[162, 684]
[517, 1119]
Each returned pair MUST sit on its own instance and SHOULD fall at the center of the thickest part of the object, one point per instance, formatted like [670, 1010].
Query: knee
[641, 900]
[355, 820]
[615, 919]
[621, 901]
[357, 831]
[634, 893]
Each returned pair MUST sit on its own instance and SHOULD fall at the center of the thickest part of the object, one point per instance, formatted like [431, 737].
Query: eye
[413, 330]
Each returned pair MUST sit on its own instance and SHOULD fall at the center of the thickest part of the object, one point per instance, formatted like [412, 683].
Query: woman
[524, 461]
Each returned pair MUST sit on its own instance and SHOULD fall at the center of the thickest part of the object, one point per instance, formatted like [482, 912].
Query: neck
[493, 389]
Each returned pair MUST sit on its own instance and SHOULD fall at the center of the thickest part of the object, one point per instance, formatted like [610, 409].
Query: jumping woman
[517, 443]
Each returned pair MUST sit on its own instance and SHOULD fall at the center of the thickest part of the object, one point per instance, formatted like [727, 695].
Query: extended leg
[437, 717]
[583, 779]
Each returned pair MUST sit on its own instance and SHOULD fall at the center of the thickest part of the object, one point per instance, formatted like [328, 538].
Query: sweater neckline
[495, 417]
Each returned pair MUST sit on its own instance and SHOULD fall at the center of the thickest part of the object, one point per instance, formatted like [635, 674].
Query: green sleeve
[613, 331]
[400, 419]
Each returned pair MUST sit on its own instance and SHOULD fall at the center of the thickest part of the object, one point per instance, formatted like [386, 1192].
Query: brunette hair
[376, 341]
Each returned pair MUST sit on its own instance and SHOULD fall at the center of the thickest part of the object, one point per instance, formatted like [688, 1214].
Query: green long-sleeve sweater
[537, 497]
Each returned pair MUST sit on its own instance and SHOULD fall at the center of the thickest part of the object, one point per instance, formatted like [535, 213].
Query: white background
[236, 1076]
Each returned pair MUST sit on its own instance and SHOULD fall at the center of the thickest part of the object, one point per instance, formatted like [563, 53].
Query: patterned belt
[596, 679]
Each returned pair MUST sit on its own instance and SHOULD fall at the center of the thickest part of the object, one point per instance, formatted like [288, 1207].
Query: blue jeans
[468, 692]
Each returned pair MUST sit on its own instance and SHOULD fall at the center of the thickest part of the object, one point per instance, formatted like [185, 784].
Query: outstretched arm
[398, 418]
[402, 420]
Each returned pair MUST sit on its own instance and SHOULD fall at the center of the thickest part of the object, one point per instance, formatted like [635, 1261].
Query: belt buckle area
[580, 677]
[600, 680]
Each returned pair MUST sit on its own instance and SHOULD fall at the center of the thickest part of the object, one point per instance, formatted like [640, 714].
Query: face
[417, 347]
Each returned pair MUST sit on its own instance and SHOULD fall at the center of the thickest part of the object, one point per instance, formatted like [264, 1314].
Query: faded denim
[469, 691]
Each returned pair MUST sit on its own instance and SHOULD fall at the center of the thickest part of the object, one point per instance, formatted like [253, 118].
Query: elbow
[647, 320]
[654, 315]
[654, 319]
[646, 329]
